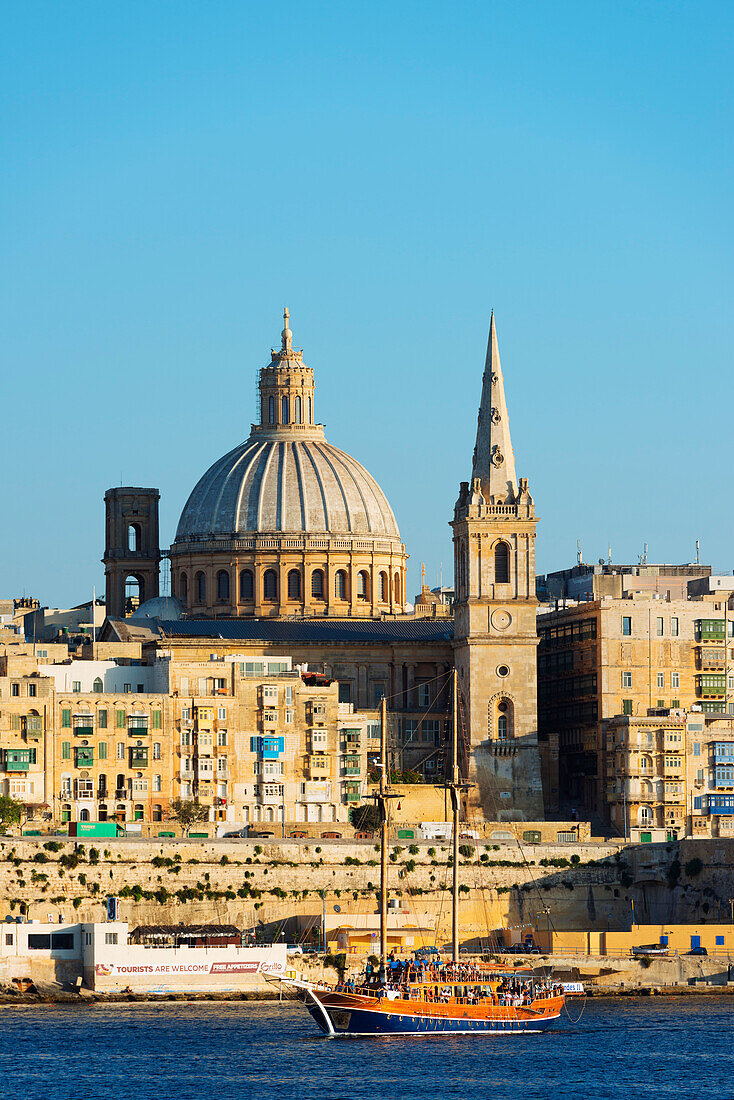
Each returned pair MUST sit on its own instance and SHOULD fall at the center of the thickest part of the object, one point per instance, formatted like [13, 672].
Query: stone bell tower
[495, 637]
[132, 555]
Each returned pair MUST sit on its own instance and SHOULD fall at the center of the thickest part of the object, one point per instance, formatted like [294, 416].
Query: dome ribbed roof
[269, 485]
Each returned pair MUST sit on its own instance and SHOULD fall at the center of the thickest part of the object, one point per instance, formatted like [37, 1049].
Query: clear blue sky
[174, 173]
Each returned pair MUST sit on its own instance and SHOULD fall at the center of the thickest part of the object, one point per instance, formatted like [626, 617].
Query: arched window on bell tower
[501, 563]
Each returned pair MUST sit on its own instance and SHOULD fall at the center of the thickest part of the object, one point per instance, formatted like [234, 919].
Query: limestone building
[670, 774]
[626, 655]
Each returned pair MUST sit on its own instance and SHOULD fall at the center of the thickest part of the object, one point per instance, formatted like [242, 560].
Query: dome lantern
[286, 390]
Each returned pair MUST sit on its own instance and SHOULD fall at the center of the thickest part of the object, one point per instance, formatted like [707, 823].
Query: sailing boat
[418, 998]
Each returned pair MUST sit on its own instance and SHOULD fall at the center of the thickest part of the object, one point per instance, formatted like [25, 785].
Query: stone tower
[132, 554]
[495, 636]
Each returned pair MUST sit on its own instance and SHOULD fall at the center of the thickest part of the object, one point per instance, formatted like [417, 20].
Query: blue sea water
[621, 1049]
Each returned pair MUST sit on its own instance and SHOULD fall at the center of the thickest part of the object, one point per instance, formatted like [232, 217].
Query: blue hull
[361, 1022]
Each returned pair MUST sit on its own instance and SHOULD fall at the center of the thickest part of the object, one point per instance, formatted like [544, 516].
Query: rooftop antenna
[609, 559]
[642, 558]
[579, 556]
[698, 552]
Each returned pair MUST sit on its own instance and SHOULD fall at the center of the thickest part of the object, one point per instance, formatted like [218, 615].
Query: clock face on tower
[501, 619]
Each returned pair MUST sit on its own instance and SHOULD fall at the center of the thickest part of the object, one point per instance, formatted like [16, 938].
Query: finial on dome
[286, 334]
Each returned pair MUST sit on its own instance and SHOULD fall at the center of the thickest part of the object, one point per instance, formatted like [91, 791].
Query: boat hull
[345, 1019]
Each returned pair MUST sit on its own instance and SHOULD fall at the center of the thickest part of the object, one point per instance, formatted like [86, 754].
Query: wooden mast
[382, 802]
[455, 809]
[456, 785]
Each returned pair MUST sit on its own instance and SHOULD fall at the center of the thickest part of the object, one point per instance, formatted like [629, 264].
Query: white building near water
[101, 954]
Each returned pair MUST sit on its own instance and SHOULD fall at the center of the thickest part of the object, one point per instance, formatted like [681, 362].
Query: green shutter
[102, 719]
[66, 750]
[66, 719]
[15, 721]
[103, 750]
[120, 719]
[155, 719]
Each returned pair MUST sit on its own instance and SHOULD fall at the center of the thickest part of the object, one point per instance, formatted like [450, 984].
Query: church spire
[494, 458]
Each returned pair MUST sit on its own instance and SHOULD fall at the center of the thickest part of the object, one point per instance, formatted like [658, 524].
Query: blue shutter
[697, 802]
[281, 744]
[256, 744]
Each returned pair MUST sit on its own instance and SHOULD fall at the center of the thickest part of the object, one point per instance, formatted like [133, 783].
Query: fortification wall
[246, 883]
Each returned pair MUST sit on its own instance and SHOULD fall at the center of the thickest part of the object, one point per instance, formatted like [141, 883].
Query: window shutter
[66, 719]
[120, 719]
[66, 750]
[155, 719]
[102, 750]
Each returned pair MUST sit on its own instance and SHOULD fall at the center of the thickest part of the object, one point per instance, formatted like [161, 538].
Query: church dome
[287, 524]
[279, 485]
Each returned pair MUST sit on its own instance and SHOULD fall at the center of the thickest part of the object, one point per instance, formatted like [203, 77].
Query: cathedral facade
[288, 545]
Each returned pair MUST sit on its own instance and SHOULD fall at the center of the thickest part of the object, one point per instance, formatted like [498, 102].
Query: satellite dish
[337, 908]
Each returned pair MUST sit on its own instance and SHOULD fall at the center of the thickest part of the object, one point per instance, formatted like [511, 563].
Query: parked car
[697, 951]
[294, 949]
[237, 833]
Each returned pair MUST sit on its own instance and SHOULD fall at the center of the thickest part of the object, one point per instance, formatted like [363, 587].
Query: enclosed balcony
[351, 765]
[710, 630]
[714, 804]
[84, 756]
[319, 765]
[16, 760]
[710, 657]
[711, 685]
[352, 792]
[139, 756]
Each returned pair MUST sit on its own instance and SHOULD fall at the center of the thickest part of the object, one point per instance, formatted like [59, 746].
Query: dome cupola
[286, 523]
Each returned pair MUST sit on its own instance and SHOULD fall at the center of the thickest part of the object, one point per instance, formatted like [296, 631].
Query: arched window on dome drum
[271, 410]
[297, 410]
[309, 414]
[363, 585]
[340, 584]
[501, 563]
[200, 588]
[247, 588]
[384, 588]
[222, 585]
[317, 584]
[284, 410]
[396, 588]
[294, 584]
[270, 584]
[183, 588]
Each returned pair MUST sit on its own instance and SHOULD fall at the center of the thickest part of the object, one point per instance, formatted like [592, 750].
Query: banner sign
[106, 970]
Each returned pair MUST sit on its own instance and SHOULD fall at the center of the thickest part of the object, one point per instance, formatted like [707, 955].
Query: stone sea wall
[247, 883]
